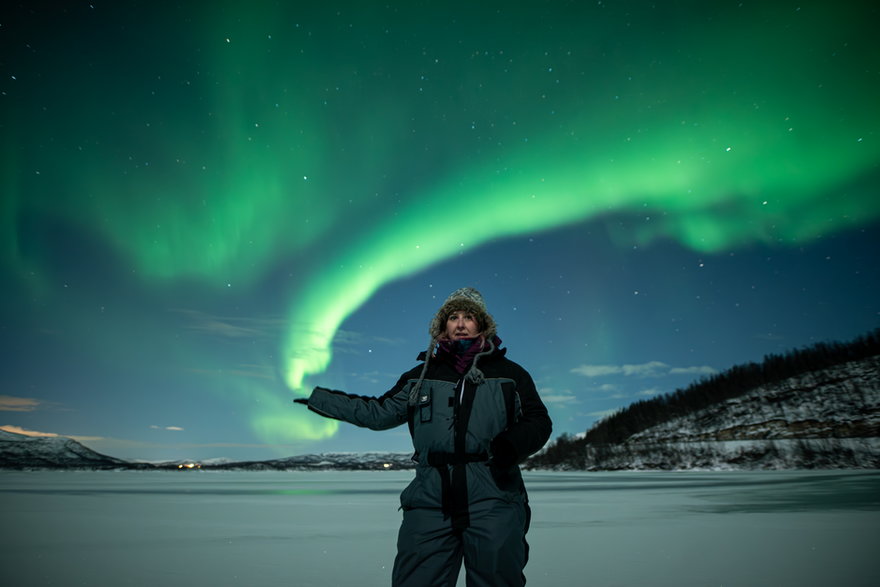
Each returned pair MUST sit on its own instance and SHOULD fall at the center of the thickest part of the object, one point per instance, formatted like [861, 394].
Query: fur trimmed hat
[465, 299]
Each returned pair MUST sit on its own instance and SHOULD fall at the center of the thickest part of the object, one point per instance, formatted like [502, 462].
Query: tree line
[706, 391]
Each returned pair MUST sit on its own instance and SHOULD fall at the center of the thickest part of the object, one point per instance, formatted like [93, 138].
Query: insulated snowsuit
[464, 502]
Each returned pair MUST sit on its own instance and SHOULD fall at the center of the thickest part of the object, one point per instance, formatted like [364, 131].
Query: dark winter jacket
[468, 442]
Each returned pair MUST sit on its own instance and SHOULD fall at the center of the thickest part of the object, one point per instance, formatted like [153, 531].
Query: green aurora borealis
[349, 145]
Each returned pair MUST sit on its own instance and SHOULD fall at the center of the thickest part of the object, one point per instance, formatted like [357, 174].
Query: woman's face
[461, 324]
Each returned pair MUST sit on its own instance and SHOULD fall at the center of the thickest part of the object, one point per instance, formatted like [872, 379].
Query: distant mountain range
[366, 461]
[817, 407]
[18, 451]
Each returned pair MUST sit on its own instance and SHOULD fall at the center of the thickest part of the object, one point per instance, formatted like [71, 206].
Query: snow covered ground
[194, 528]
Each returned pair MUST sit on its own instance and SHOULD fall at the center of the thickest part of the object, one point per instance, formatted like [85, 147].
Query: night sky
[210, 207]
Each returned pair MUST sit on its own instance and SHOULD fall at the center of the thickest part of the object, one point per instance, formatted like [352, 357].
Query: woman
[473, 415]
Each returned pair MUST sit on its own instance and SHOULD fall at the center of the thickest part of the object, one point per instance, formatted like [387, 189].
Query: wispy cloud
[551, 396]
[701, 370]
[249, 370]
[254, 370]
[26, 432]
[39, 434]
[597, 370]
[171, 428]
[372, 377]
[234, 327]
[649, 369]
[86, 439]
[353, 342]
[650, 392]
[9, 403]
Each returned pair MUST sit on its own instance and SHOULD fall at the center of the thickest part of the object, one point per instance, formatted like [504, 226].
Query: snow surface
[193, 528]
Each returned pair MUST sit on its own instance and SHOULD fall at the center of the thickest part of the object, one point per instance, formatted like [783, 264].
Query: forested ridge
[705, 392]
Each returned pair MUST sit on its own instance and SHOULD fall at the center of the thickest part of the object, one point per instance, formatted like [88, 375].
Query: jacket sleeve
[376, 413]
[531, 430]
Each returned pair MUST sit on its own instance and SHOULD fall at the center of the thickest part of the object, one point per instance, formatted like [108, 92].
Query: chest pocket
[431, 417]
[425, 403]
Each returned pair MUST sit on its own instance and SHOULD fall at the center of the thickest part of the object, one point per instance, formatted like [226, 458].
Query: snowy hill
[840, 402]
[825, 419]
[750, 417]
[18, 451]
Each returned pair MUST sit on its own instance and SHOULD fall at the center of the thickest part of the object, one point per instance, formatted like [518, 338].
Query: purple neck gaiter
[460, 353]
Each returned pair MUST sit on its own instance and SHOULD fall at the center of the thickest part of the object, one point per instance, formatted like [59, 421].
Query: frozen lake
[194, 528]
